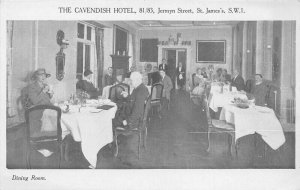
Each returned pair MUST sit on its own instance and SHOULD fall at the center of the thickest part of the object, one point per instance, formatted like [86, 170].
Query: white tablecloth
[251, 120]
[217, 99]
[93, 130]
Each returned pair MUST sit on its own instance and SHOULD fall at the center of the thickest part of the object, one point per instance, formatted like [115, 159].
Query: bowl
[242, 105]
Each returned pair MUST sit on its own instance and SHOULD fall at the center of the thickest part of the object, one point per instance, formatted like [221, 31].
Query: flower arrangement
[82, 96]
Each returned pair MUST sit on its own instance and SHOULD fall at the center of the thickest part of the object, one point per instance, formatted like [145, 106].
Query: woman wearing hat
[86, 85]
[38, 93]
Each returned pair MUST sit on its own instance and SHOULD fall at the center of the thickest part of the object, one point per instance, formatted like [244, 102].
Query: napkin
[45, 152]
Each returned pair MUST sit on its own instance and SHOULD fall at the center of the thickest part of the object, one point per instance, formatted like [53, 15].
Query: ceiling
[151, 24]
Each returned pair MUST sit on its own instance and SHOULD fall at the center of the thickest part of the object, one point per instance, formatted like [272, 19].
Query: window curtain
[9, 105]
[99, 34]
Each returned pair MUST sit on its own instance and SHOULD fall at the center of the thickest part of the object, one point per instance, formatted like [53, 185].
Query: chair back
[115, 91]
[147, 107]
[156, 92]
[272, 97]
[206, 109]
[25, 101]
[193, 79]
[43, 123]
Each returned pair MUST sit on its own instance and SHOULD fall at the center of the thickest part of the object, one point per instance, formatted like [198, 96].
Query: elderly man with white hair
[136, 100]
[130, 118]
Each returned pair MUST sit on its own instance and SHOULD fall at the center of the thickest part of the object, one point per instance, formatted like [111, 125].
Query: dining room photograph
[150, 94]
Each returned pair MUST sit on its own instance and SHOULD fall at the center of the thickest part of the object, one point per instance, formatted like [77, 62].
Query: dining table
[88, 124]
[254, 119]
[220, 99]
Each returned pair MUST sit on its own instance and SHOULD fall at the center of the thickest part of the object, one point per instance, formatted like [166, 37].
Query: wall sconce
[60, 56]
[248, 51]
[269, 46]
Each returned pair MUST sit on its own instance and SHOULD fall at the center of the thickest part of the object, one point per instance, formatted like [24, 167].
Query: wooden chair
[36, 138]
[156, 96]
[218, 126]
[142, 128]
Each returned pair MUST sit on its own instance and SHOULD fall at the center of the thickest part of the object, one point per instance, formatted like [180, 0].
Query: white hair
[136, 78]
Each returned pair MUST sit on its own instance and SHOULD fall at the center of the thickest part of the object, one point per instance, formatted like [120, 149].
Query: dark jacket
[238, 82]
[137, 100]
[89, 88]
[163, 67]
[36, 96]
[180, 82]
[260, 93]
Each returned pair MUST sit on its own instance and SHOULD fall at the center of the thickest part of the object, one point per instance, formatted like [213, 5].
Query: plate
[96, 110]
[242, 106]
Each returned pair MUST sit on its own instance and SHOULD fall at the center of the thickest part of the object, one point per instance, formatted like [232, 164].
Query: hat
[87, 72]
[40, 71]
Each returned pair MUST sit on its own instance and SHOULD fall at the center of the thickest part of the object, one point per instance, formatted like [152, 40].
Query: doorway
[173, 57]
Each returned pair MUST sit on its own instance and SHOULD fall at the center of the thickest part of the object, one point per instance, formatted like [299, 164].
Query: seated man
[39, 93]
[86, 85]
[226, 76]
[136, 100]
[108, 78]
[237, 81]
[259, 91]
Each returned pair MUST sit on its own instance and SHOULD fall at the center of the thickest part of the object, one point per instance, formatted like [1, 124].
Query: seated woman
[219, 75]
[86, 85]
[199, 82]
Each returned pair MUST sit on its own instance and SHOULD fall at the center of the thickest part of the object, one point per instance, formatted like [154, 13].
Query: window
[86, 58]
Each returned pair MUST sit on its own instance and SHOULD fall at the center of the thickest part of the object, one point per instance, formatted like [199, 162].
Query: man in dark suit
[260, 90]
[108, 78]
[137, 99]
[180, 74]
[164, 66]
[87, 85]
[226, 76]
[136, 103]
[238, 81]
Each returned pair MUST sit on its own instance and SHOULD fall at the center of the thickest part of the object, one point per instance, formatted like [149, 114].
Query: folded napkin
[45, 152]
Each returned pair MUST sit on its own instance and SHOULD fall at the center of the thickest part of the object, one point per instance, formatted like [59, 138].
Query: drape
[99, 53]
[9, 107]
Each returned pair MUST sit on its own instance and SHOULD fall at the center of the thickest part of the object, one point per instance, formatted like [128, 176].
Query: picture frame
[211, 51]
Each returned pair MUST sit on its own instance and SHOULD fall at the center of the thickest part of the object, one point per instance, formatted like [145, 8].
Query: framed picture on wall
[120, 41]
[211, 51]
